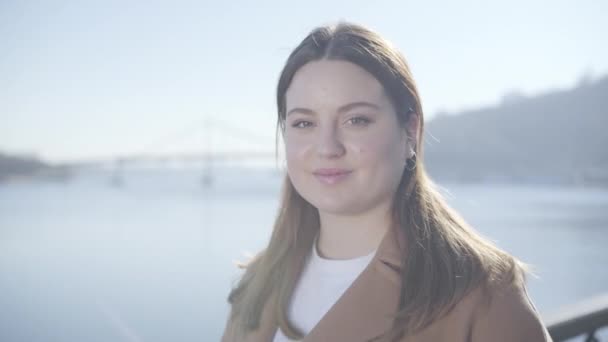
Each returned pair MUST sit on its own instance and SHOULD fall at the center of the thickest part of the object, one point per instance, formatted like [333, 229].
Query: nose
[329, 143]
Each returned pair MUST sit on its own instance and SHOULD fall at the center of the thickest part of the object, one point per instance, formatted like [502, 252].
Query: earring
[410, 163]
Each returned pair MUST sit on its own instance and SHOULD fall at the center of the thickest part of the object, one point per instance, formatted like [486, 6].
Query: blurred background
[137, 148]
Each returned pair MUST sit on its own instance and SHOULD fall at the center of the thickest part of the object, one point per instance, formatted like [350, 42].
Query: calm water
[153, 261]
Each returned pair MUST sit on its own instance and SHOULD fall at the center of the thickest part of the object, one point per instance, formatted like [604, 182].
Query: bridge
[213, 133]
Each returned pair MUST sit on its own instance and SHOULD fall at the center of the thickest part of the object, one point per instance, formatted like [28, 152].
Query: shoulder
[498, 313]
[504, 312]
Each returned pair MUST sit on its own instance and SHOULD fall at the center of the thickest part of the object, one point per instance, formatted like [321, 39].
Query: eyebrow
[342, 109]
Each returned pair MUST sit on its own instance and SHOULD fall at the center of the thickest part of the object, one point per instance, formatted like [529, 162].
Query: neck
[347, 237]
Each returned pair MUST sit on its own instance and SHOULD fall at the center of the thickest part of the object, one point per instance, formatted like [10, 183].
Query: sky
[102, 79]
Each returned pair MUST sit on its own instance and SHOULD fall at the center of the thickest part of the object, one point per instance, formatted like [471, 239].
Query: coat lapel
[366, 308]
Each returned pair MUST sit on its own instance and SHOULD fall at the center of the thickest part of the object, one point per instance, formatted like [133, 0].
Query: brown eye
[301, 124]
[360, 121]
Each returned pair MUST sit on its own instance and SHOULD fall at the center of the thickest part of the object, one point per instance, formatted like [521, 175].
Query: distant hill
[18, 168]
[557, 137]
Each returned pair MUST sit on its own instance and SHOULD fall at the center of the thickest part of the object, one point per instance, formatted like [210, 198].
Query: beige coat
[362, 312]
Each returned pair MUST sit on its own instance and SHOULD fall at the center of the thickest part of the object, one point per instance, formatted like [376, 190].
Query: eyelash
[364, 122]
[297, 124]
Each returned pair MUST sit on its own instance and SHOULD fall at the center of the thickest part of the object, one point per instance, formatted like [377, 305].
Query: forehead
[330, 83]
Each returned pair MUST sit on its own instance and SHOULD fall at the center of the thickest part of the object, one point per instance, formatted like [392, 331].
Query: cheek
[382, 165]
[377, 150]
[296, 149]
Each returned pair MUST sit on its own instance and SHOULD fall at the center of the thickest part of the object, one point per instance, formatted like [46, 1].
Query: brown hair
[444, 258]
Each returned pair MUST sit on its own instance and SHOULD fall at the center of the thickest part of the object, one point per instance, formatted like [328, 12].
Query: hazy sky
[99, 79]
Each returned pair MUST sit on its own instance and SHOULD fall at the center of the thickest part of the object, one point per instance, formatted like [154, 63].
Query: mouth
[331, 176]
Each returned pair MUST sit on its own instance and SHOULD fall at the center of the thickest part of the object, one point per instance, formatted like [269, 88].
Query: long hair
[444, 258]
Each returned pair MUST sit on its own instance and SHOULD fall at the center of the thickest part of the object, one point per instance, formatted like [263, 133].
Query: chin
[336, 206]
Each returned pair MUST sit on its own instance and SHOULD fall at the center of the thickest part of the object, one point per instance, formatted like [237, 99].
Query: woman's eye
[301, 124]
[359, 121]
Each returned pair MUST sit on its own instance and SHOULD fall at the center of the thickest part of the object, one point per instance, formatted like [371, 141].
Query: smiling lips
[331, 176]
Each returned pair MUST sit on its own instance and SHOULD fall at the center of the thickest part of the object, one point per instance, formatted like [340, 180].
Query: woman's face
[344, 146]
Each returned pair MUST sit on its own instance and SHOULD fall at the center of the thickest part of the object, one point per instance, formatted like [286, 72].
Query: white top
[321, 284]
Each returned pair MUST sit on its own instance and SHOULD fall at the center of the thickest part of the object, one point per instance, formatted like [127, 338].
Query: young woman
[364, 248]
